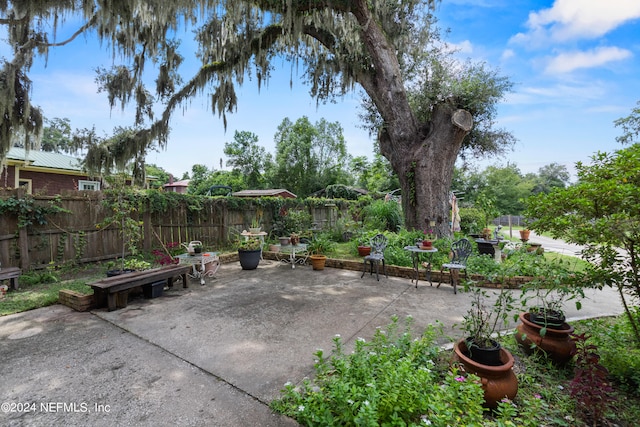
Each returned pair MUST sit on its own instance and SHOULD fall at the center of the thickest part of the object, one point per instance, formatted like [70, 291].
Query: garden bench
[12, 274]
[114, 291]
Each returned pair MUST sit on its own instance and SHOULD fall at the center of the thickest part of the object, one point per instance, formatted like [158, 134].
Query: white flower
[300, 408]
[369, 384]
[337, 335]
[350, 402]
[361, 339]
[425, 420]
[365, 403]
[288, 383]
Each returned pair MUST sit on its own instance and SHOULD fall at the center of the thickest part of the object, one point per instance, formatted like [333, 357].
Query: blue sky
[574, 65]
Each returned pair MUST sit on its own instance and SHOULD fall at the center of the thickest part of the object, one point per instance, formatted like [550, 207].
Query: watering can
[191, 247]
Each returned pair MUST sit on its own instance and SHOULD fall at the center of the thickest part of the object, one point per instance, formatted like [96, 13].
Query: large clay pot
[524, 234]
[498, 382]
[556, 342]
[318, 261]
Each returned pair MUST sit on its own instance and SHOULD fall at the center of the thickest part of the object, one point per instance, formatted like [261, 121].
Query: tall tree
[309, 156]
[423, 105]
[549, 177]
[247, 158]
[56, 136]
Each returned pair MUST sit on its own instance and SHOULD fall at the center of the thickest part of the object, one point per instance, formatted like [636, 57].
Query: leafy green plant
[392, 380]
[30, 211]
[248, 244]
[132, 263]
[614, 338]
[321, 244]
[485, 319]
[122, 206]
[600, 212]
[383, 215]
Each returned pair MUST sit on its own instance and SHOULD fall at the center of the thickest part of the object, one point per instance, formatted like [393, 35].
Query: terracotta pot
[498, 382]
[364, 250]
[524, 234]
[556, 343]
[318, 261]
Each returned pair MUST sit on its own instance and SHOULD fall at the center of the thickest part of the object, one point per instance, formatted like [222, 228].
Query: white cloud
[569, 61]
[577, 19]
[507, 54]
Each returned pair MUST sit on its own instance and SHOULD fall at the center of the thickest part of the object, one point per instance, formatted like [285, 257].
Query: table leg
[416, 266]
[428, 270]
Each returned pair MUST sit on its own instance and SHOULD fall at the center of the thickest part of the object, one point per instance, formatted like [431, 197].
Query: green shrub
[392, 380]
[471, 220]
[614, 339]
[383, 215]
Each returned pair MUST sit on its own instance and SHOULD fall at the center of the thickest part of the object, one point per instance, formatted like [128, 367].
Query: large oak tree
[425, 108]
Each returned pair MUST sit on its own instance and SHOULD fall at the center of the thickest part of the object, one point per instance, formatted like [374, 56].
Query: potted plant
[318, 247]
[543, 327]
[480, 353]
[482, 323]
[486, 204]
[363, 245]
[249, 252]
[294, 238]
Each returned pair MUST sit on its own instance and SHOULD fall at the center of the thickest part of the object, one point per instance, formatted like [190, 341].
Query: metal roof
[45, 159]
[264, 193]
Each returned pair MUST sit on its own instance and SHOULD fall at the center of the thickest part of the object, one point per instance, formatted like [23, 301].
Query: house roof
[44, 159]
[274, 192]
[183, 183]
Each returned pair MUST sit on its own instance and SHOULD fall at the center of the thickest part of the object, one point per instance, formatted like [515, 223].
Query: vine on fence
[28, 211]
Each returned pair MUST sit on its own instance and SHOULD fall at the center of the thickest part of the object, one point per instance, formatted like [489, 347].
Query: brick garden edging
[397, 271]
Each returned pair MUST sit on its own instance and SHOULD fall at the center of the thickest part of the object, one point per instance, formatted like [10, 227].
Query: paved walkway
[212, 355]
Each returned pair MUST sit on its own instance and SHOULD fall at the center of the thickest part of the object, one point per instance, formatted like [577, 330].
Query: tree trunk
[425, 168]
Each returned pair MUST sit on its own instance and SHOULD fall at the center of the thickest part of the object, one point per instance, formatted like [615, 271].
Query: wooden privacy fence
[73, 235]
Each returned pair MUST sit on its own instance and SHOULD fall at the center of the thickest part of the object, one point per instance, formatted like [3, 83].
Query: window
[88, 185]
[26, 184]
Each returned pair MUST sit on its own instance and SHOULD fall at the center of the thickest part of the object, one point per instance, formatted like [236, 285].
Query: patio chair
[378, 244]
[461, 249]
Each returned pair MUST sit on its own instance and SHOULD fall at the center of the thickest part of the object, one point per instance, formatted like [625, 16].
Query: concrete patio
[212, 355]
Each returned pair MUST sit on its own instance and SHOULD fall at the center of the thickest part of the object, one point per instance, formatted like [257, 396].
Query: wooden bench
[114, 291]
[12, 274]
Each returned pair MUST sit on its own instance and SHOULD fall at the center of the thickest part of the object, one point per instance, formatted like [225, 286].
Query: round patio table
[416, 253]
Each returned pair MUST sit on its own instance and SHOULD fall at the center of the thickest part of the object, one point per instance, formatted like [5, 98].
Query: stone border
[75, 300]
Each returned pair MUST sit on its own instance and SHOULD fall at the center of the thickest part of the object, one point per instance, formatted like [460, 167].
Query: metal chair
[378, 244]
[461, 250]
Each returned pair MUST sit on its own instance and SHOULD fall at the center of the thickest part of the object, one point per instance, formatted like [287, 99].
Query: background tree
[309, 157]
[424, 107]
[246, 157]
[161, 176]
[508, 188]
[379, 176]
[57, 136]
[549, 177]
